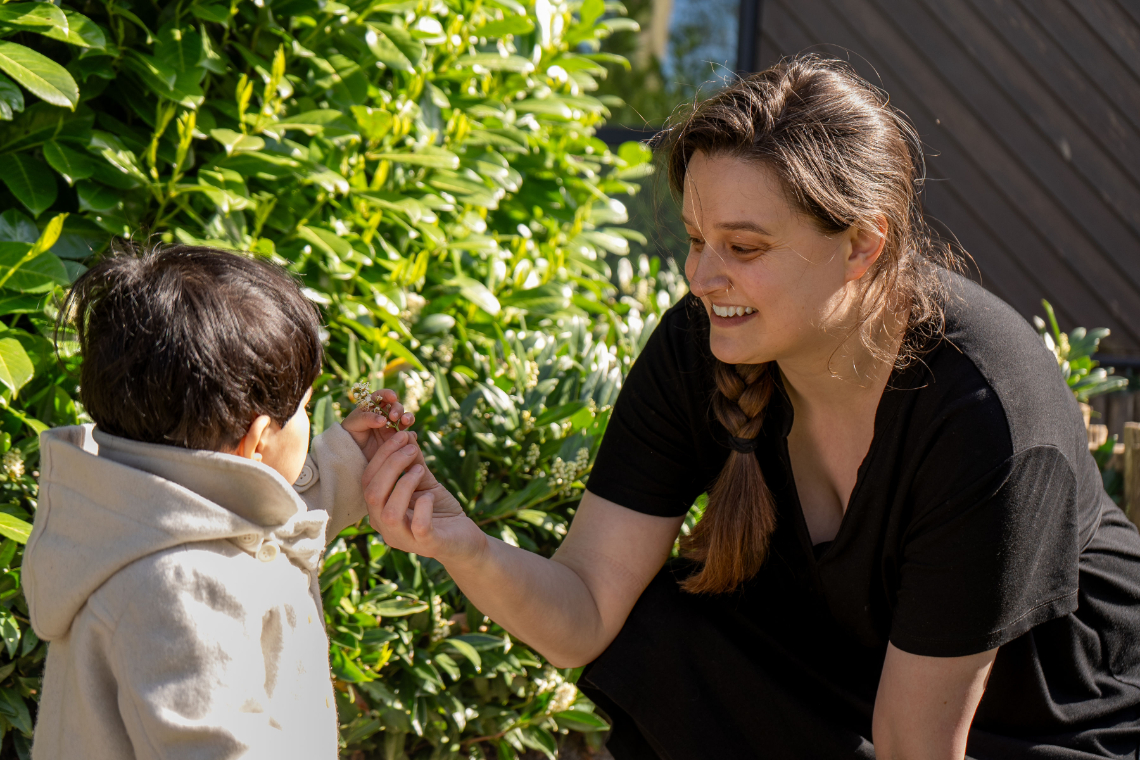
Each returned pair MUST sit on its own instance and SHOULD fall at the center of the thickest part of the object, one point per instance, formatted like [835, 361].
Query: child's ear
[253, 441]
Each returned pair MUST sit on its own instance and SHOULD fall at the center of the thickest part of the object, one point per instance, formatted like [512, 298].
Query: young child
[174, 560]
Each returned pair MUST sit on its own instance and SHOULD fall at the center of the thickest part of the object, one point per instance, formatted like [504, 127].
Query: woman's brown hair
[845, 158]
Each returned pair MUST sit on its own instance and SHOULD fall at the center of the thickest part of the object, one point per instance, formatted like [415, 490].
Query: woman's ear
[866, 248]
[253, 441]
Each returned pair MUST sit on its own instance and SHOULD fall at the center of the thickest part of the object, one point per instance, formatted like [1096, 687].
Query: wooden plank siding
[1030, 114]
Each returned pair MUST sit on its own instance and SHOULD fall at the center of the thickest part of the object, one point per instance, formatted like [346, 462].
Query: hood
[105, 502]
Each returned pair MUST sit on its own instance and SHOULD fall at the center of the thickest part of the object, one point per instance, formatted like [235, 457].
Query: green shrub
[428, 168]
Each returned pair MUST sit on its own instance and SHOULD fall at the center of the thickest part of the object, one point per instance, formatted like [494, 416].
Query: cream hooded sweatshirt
[179, 591]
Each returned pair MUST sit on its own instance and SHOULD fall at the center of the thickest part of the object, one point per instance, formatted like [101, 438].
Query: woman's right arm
[568, 608]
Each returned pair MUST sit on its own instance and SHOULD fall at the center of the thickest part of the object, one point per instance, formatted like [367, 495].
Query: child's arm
[331, 477]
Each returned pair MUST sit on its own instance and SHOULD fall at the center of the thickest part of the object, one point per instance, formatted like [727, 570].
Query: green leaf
[15, 226]
[476, 292]
[96, 197]
[81, 32]
[514, 24]
[181, 49]
[399, 607]
[326, 241]
[429, 155]
[559, 413]
[155, 74]
[72, 164]
[634, 153]
[38, 74]
[216, 13]
[33, 17]
[236, 142]
[496, 62]
[12, 527]
[547, 107]
[12, 705]
[50, 234]
[467, 650]
[38, 274]
[591, 11]
[10, 634]
[386, 51]
[374, 123]
[580, 720]
[537, 737]
[16, 369]
[482, 642]
[21, 304]
[412, 48]
[30, 180]
[11, 99]
[309, 122]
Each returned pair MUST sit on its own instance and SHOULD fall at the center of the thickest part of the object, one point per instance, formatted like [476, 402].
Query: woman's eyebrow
[743, 226]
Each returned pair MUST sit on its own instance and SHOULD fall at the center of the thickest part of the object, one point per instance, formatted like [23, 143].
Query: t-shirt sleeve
[995, 558]
[655, 455]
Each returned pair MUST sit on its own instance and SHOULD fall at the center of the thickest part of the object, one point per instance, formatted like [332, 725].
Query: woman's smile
[731, 316]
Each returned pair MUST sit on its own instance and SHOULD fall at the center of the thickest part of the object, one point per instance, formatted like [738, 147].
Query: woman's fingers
[388, 445]
[378, 487]
[422, 516]
[394, 521]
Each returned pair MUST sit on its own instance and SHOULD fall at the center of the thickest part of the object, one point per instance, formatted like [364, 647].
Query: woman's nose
[706, 276]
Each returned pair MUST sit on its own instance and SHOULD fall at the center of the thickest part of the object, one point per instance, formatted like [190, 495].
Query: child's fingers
[422, 516]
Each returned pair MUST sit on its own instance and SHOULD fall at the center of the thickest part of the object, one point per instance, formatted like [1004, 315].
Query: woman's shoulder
[990, 360]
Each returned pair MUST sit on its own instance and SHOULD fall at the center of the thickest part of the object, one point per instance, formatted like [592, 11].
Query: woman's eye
[696, 241]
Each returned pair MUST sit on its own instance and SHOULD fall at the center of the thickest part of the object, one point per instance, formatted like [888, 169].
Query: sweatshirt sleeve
[331, 479]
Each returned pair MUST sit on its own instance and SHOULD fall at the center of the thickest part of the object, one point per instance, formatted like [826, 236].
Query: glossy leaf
[33, 17]
[11, 99]
[30, 180]
[23, 271]
[13, 527]
[16, 369]
[40, 75]
[81, 32]
[70, 163]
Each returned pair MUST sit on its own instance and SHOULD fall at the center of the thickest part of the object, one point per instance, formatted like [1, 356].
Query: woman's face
[752, 252]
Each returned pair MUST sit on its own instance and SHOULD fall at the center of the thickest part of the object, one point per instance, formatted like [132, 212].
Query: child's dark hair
[186, 345]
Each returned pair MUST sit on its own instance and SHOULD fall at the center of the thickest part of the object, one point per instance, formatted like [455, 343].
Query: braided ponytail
[731, 540]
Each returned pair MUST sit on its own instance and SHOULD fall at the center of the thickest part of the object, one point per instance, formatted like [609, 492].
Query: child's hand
[371, 430]
[412, 510]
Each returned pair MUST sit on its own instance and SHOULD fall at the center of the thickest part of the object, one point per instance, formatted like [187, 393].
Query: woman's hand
[371, 430]
[412, 510]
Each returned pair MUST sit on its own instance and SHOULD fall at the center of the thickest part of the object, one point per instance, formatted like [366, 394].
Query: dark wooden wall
[1030, 113]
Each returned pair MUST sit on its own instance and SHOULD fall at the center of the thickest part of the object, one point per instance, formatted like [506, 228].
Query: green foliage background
[428, 168]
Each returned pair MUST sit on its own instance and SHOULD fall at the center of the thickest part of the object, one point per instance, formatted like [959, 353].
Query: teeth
[732, 311]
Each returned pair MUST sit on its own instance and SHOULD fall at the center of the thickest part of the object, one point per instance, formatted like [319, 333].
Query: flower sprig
[361, 395]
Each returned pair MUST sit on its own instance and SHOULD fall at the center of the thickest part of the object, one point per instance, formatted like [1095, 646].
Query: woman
[907, 551]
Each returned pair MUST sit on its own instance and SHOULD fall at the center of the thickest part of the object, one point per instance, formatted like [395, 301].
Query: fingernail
[409, 449]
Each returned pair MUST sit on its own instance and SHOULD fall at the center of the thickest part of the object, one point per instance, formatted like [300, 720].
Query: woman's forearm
[540, 601]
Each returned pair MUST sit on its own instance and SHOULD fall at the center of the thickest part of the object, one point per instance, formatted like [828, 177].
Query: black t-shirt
[978, 520]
